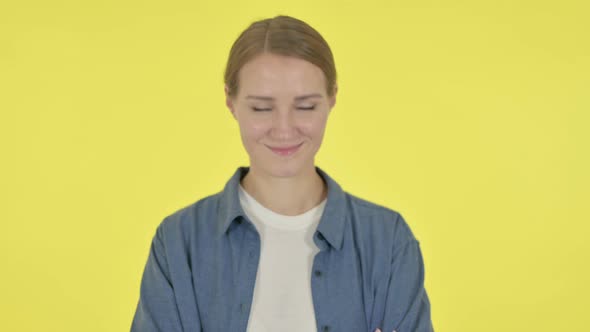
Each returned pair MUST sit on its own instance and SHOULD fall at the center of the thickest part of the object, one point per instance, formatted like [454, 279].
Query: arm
[407, 307]
[156, 309]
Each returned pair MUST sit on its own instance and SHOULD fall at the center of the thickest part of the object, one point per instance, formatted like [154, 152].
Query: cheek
[315, 128]
[253, 130]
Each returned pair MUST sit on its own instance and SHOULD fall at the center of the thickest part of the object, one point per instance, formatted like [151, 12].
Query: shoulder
[379, 222]
[185, 220]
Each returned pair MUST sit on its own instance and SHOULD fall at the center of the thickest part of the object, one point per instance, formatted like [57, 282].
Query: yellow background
[468, 117]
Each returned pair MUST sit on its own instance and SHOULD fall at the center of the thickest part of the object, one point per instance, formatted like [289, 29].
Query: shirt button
[318, 273]
[243, 308]
[326, 328]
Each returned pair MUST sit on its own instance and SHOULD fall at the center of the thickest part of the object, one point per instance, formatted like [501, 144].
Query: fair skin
[284, 90]
[282, 102]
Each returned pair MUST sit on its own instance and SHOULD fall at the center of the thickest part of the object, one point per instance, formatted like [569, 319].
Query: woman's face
[281, 103]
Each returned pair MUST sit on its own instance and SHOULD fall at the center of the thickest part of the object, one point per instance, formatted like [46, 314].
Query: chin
[285, 169]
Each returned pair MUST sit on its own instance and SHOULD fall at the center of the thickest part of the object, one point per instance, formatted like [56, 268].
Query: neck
[289, 196]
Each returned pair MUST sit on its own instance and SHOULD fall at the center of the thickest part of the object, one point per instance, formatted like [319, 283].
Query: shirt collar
[331, 225]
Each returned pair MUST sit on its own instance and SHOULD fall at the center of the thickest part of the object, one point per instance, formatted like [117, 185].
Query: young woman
[283, 247]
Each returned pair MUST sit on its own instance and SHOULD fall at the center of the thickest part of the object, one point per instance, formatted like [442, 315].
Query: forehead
[271, 73]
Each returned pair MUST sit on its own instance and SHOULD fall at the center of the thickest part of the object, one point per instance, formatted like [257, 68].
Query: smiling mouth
[286, 151]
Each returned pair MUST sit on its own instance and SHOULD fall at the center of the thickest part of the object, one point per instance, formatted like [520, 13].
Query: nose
[284, 125]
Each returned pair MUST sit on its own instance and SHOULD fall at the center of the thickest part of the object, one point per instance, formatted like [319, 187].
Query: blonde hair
[282, 35]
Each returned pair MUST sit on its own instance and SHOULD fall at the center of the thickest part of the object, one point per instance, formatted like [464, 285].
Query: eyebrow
[296, 98]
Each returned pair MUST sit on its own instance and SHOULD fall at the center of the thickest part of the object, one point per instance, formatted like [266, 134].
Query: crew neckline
[276, 220]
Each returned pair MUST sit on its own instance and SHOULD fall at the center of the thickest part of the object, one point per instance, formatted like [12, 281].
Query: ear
[332, 100]
[229, 102]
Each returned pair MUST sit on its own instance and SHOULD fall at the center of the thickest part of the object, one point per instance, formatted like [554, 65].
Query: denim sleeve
[407, 307]
[157, 308]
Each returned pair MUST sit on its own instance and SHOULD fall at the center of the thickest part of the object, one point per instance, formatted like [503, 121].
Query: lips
[285, 151]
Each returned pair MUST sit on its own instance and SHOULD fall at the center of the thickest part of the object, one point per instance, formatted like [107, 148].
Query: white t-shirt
[282, 293]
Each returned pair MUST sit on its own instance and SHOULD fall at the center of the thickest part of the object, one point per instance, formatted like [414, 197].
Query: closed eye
[307, 108]
[256, 109]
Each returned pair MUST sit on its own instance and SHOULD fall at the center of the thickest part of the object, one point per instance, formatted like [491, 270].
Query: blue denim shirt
[203, 260]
